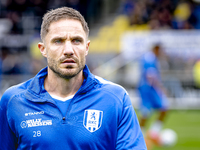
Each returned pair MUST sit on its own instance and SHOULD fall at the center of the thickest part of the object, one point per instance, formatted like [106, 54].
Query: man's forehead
[64, 26]
[70, 23]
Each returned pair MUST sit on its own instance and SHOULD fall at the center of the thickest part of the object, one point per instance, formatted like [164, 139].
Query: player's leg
[145, 108]
[145, 112]
[162, 115]
[159, 103]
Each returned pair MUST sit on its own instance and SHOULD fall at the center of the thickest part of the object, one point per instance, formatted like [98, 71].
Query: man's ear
[87, 47]
[42, 49]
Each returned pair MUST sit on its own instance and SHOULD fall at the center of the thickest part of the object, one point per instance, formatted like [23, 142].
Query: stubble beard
[69, 72]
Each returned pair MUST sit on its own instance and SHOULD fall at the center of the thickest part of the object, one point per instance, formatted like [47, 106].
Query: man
[152, 93]
[65, 106]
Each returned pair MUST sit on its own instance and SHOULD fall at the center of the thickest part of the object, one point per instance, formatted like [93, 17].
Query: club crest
[92, 119]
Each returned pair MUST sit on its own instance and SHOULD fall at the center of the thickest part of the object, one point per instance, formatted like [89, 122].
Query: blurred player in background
[152, 93]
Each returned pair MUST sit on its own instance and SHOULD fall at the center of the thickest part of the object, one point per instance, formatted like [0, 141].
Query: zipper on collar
[76, 96]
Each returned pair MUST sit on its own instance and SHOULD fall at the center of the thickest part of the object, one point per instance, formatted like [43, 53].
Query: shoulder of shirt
[149, 57]
[111, 86]
[113, 92]
[15, 90]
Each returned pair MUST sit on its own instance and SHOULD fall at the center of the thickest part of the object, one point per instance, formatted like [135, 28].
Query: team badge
[92, 119]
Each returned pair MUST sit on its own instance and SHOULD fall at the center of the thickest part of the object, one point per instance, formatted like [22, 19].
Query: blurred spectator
[127, 7]
[14, 64]
[182, 14]
[163, 15]
[52, 4]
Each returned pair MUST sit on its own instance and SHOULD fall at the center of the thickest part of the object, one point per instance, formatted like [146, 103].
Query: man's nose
[68, 48]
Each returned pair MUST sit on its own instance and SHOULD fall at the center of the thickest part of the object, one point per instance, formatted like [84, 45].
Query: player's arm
[8, 141]
[129, 133]
[153, 79]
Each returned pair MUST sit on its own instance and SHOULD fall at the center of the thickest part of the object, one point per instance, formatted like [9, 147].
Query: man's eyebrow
[77, 37]
[56, 38]
[62, 37]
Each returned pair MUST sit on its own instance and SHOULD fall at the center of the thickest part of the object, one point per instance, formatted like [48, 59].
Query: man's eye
[58, 41]
[76, 41]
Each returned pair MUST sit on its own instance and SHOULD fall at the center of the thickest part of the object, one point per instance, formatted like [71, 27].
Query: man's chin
[68, 73]
[68, 65]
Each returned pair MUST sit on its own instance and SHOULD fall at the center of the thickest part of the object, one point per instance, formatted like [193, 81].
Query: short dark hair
[61, 13]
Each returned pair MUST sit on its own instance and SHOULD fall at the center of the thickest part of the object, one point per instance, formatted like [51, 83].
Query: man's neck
[63, 87]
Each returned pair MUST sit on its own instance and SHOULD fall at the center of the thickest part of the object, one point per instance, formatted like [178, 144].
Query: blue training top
[100, 116]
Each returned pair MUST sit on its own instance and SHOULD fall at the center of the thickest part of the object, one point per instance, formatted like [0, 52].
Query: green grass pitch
[186, 123]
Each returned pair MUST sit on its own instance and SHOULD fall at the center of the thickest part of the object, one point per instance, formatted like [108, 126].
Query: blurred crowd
[163, 14]
[28, 13]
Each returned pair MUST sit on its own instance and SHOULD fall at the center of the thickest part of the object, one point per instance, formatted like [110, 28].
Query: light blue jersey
[151, 97]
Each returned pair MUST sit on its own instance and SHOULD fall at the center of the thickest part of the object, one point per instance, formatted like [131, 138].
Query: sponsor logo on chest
[34, 113]
[35, 123]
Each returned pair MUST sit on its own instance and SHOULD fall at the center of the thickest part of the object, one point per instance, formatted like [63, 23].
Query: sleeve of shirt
[8, 141]
[129, 136]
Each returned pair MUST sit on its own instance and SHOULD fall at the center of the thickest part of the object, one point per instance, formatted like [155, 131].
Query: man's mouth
[68, 61]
